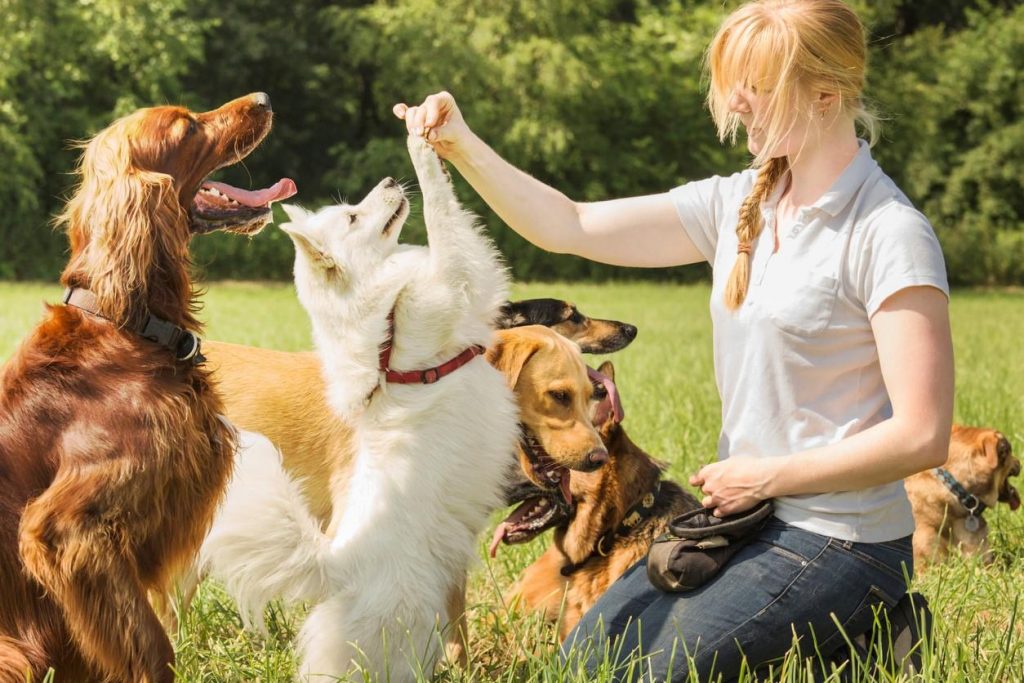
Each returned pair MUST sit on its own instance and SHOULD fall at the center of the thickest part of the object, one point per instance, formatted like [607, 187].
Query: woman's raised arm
[636, 231]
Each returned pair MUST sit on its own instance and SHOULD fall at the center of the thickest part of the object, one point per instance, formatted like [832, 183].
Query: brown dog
[981, 462]
[592, 334]
[112, 455]
[617, 511]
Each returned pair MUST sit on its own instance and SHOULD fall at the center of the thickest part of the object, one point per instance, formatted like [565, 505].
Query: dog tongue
[563, 484]
[611, 406]
[497, 538]
[282, 189]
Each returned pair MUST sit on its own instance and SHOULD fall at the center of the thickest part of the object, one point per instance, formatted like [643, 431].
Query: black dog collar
[185, 345]
[975, 508]
[638, 512]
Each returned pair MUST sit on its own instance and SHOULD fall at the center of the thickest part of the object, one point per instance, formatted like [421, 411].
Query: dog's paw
[425, 160]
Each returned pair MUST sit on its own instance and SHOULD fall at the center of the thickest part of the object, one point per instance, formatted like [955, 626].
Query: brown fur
[982, 461]
[602, 499]
[594, 335]
[281, 395]
[112, 456]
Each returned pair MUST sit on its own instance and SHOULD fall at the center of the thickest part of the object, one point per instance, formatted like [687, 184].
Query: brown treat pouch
[698, 544]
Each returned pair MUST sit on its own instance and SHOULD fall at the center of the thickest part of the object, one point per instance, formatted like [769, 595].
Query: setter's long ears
[128, 232]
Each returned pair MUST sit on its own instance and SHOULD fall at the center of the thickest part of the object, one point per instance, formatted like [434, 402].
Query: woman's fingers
[423, 119]
[438, 107]
[701, 475]
[414, 117]
[437, 120]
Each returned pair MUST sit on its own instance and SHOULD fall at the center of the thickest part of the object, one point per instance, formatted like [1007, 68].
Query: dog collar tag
[972, 523]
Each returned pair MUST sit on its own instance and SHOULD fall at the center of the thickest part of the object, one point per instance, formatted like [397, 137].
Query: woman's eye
[561, 397]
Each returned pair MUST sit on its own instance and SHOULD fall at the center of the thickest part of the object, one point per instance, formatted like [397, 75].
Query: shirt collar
[849, 181]
[843, 189]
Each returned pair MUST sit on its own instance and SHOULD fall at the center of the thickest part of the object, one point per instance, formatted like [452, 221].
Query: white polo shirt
[796, 364]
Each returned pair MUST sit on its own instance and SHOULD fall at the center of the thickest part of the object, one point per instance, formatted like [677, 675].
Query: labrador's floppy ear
[992, 440]
[511, 351]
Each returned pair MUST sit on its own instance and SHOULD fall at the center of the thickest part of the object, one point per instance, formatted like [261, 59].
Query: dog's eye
[561, 397]
[351, 219]
[600, 392]
[192, 127]
[576, 317]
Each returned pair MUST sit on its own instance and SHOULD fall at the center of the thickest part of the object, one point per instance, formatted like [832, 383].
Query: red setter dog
[112, 456]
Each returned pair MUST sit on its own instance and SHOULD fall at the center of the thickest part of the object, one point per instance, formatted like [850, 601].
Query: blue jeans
[788, 583]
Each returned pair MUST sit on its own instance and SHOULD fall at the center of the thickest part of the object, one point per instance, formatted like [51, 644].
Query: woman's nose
[738, 104]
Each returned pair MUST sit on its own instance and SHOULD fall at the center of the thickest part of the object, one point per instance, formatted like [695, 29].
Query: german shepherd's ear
[510, 352]
[608, 370]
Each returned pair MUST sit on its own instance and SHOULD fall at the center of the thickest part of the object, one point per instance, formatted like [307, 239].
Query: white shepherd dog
[431, 457]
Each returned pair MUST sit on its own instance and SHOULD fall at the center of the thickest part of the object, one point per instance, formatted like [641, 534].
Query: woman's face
[751, 106]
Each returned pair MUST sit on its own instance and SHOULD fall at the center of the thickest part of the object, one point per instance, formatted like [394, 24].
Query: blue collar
[971, 502]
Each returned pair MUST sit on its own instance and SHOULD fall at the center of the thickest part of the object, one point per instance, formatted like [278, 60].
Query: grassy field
[672, 410]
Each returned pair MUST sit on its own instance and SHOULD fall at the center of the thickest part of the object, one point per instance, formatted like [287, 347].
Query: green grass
[672, 409]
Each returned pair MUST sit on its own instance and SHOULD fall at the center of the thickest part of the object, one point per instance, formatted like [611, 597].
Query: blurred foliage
[601, 99]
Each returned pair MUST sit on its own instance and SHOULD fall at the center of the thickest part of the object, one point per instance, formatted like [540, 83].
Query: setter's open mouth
[219, 206]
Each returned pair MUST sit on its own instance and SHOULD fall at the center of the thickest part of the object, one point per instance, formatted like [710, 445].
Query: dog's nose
[629, 331]
[262, 100]
[390, 182]
[597, 457]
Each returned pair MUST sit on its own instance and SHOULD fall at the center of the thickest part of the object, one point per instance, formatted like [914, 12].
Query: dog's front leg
[83, 562]
[456, 247]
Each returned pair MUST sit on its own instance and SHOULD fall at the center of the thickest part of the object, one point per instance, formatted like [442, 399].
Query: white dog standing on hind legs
[435, 428]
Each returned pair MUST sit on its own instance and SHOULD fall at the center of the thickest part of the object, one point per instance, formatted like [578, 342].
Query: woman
[831, 340]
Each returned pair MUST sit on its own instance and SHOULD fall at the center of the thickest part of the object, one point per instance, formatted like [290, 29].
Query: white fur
[264, 509]
[430, 459]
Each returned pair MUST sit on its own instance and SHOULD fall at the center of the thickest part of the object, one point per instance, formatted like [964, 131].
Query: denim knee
[787, 583]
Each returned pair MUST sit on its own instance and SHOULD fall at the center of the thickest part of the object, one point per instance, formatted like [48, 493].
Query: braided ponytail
[749, 227]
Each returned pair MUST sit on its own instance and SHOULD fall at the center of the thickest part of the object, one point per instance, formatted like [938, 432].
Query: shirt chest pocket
[801, 303]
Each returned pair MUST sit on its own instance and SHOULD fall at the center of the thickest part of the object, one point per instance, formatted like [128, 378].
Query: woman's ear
[827, 103]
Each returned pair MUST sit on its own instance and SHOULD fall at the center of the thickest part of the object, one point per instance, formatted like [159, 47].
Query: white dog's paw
[428, 165]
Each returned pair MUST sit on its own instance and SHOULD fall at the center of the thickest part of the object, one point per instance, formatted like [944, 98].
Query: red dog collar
[428, 376]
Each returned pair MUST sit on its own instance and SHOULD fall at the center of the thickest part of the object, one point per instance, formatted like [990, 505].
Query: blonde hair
[787, 50]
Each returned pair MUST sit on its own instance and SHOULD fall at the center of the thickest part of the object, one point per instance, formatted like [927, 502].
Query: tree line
[602, 99]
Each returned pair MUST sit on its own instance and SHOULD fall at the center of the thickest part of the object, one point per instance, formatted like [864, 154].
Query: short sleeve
[900, 251]
[703, 205]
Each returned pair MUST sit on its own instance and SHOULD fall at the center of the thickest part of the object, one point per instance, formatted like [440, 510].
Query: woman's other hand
[438, 120]
[734, 484]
